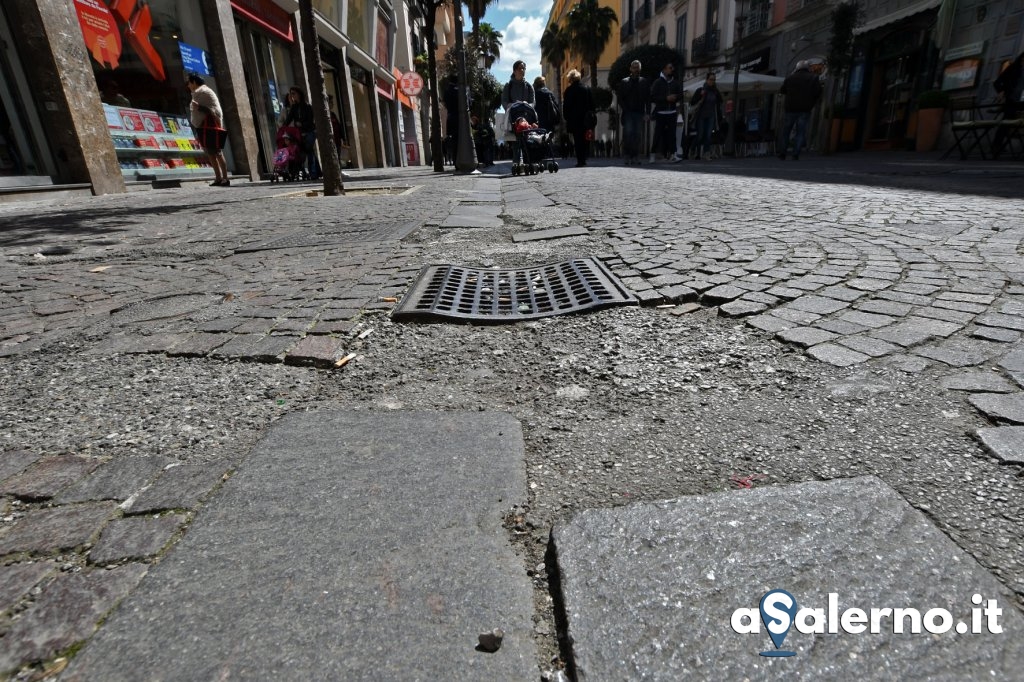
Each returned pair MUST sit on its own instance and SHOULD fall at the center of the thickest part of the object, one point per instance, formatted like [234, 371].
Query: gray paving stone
[686, 309]
[741, 308]
[760, 297]
[912, 364]
[14, 462]
[272, 348]
[1014, 322]
[180, 487]
[770, 323]
[995, 334]
[115, 480]
[786, 293]
[396, 518]
[668, 280]
[67, 612]
[842, 293]
[1005, 442]
[198, 345]
[915, 330]
[818, 304]
[885, 307]
[1007, 407]
[836, 355]
[58, 528]
[979, 299]
[17, 579]
[319, 351]
[841, 327]
[1013, 361]
[934, 313]
[699, 284]
[869, 320]
[48, 476]
[135, 537]
[650, 590]
[901, 297]
[472, 221]
[868, 284]
[678, 293]
[865, 344]
[239, 345]
[132, 344]
[959, 352]
[721, 294]
[801, 317]
[805, 336]
[977, 381]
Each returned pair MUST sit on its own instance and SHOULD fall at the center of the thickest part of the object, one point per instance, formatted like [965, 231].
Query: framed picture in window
[960, 74]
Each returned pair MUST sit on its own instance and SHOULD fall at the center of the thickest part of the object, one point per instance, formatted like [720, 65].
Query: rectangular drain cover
[484, 295]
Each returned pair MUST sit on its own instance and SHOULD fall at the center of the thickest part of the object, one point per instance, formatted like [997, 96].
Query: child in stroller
[288, 157]
[532, 151]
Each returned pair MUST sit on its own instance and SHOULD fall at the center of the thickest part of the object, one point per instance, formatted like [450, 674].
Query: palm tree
[590, 28]
[553, 46]
[477, 8]
[487, 43]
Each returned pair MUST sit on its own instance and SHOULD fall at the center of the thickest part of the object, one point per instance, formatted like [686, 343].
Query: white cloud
[521, 41]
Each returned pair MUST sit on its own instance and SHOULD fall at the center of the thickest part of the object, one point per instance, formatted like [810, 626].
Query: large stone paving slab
[650, 590]
[348, 546]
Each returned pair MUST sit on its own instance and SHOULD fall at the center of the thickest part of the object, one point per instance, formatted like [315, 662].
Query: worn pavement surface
[829, 318]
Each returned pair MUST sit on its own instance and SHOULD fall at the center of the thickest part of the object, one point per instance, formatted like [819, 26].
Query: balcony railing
[643, 15]
[626, 31]
[706, 45]
[658, 4]
[758, 19]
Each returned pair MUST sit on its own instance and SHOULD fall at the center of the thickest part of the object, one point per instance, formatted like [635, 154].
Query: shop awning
[898, 15]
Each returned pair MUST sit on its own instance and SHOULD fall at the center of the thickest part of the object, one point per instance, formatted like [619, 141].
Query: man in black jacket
[635, 101]
[664, 94]
[802, 89]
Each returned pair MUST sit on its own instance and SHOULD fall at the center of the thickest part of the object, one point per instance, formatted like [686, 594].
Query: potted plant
[931, 105]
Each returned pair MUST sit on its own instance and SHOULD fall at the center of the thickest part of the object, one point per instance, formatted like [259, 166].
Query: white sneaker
[676, 158]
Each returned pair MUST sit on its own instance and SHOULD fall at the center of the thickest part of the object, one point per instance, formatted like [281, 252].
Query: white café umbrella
[749, 84]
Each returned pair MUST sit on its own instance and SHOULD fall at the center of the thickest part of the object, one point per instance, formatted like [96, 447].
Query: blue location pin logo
[778, 611]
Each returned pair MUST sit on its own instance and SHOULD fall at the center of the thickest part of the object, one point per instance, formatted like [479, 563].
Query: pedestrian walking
[634, 95]
[801, 91]
[707, 114]
[548, 113]
[1009, 84]
[517, 89]
[208, 123]
[580, 115]
[300, 115]
[664, 95]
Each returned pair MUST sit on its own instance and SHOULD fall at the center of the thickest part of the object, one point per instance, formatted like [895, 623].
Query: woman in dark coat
[300, 115]
[578, 112]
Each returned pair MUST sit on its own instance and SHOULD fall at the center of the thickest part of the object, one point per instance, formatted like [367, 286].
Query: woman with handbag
[208, 123]
[579, 114]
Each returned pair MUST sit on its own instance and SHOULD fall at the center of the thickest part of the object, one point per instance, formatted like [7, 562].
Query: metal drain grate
[449, 291]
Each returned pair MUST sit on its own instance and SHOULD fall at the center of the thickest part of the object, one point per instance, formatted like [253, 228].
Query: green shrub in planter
[933, 99]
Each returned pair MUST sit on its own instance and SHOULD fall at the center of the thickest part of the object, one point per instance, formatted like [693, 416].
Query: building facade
[102, 100]
[901, 48]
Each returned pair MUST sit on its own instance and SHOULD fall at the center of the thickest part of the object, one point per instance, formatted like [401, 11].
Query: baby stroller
[288, 157]
[532, 151]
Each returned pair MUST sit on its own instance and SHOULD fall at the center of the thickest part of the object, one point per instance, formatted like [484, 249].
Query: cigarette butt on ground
[389, 299]
[345, 360]
[364, 334]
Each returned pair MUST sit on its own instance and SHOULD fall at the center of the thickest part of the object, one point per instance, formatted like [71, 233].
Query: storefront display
[152, 145]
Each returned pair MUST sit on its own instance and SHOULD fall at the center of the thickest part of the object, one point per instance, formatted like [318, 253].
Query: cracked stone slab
[977, 381]
[348, 546]
[1003, 407]
[17, 579]
[13, 462]
[557, 233]
[650, 589]
[115, 480]
[915, 330]
[741, 308]
[46, 477]
[134, 537]
[836, 355]
[1005, 442]
[180, 487]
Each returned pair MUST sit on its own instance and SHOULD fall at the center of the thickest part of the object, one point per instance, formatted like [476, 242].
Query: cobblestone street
[798, 322]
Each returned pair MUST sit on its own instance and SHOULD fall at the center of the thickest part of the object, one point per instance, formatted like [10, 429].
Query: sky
[521, 23]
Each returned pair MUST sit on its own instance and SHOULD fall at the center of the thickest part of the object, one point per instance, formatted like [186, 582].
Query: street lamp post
[465, 155]
[730, 139]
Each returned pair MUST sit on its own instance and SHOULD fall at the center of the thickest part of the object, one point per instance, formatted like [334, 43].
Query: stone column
[66, 95]
[234, 97]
